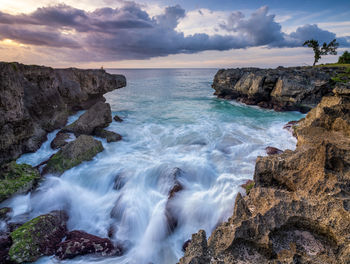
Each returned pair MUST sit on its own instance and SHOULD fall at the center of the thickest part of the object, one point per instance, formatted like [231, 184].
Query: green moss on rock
[84, 148]
[38, 237]
[17, 178]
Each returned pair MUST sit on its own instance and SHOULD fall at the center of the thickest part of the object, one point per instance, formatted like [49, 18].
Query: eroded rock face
[84, 148]
[299, 209]
[60, 140]
[298, 88]
[35, 100]
[38, 237]
[79, 243]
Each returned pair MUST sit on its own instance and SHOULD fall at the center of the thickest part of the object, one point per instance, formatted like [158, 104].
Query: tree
[345, 58]
[330, 48]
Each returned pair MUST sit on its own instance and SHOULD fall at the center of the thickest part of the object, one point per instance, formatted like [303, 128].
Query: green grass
[343, 77]
[335, 65]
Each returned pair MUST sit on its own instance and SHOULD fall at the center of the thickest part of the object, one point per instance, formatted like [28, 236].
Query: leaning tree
[330, 48]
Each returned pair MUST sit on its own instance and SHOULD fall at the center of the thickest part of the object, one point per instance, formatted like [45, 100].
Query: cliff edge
[299, 209]
[35, 100]
[281, 89]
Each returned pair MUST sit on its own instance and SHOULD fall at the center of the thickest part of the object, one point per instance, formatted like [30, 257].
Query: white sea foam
[170, 120]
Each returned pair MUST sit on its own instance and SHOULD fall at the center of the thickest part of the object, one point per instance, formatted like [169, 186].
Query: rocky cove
[297, 211]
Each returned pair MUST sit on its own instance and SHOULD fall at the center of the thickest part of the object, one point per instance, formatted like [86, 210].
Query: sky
[170, 33]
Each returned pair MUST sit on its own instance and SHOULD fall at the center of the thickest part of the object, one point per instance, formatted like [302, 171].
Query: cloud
[129, 32]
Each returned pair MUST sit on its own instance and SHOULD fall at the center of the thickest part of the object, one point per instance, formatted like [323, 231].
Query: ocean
[172, 121]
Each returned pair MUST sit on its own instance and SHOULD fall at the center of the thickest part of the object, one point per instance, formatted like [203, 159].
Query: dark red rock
[273, 151]
[79, 243]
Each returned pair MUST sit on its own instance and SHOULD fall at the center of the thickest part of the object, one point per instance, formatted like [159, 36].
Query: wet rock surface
[35, 100]
[273, 151]
[296, 88]
[298, 211]
[60, 140]
[17, 178]
[97, 117]
[110, 136]
[84, 148]
[38, 237]
[79, 243]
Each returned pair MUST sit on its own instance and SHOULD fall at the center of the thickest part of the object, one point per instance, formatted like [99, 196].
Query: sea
[172, 121]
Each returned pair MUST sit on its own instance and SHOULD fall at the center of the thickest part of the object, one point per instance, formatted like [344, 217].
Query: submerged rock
[117, 119]
[295, 88]
[35, 100]
[5, 213]
[79, 243]
[110, 136]
[60, 140]
[17, 178]
[170, 213]
[84, 148]
[38, 237]
[299, 209]
[97, 117]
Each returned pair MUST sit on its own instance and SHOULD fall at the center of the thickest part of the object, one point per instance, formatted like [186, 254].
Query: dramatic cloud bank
[129, 32]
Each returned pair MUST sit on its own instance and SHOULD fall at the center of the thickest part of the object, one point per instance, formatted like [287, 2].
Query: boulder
[84, 148]
[117, 118]
[79, 243]
[169, 210]
[5, 213]
[197, 250]
[17, 178]
[98, 116]
[273, 151]
[38, 237]
[36, 100]
[60, 140]
[110, 136]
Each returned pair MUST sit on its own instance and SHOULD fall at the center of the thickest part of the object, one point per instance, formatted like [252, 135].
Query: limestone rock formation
[84, 148]
[35, 100]
[38, 237]
[299, 209]
[298, 88]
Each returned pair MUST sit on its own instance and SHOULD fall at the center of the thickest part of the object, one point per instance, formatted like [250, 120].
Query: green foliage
[17, 178]
[342, 77]
[330, 48]
[345, 58]
[248, 186]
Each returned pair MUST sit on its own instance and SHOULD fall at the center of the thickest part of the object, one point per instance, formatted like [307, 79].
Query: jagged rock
[273, 151]
[38, 237]
[248, 185]
[197, 250]
[35, 100]
[117, 119]
[79, 243]
[84, 148]
[17, 178]
[110, 136]
[185, 245]
[60, 140]
[98, 116]
[298, 88]
[299, 209]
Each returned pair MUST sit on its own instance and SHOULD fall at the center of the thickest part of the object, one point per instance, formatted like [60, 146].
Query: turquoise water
[171, 120]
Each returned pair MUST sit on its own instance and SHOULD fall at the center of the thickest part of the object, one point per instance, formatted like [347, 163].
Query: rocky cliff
[298, 88]
[35, 100]
[299, 209]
